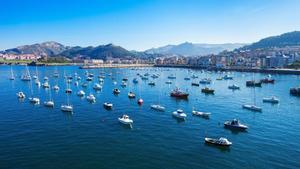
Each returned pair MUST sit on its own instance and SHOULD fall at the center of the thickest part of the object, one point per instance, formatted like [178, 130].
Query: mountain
[99, 52]
[286, 39]
[190, 49]
[41, 49]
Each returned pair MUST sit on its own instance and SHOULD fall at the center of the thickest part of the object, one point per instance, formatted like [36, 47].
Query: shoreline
[256, 70]
[115, 66]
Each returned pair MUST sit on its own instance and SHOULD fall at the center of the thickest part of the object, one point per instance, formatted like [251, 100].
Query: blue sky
[143, 24]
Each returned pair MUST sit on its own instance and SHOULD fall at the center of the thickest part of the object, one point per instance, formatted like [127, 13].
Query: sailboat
[50, 102]
[253, 106]
[26, 76]
[158, 107]
[55, 74]
[67, 107]
[32, 99]
[12, 76]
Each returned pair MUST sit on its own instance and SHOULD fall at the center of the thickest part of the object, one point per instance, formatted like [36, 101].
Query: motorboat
[46, 85]
[179, 94]
[89, 79]
[135, 81]
[187, 78]
[207, 90]
[252, 83]
[68, 90]
[272, 99]
[76, 83]
[66, 108]
[179, 114]
[157, 107]
[252, 107]
[295, 91]
[219, 78]
[227, 77]
[46, 78]
[125, 79]
[131, 95]
[69, 81]
[151, 83]
[97, 86]
[84, 84]
[201, 114]
[55, 87]
[194, 76]
[123, 84]
[49, 103]
[21, 95]
[91, 98]
[195, 84]
[205, 81]
[171, 77]
[37, 82]
[267, 80]
[125, 120]
[80, 93]
[235, 124]
[169, 82]
[78, 78]
[234, 87]
[144, 78]
[140, 101]
[101, 80]
[116, 91]
[34, 100]
[108, 105]
[219, 142]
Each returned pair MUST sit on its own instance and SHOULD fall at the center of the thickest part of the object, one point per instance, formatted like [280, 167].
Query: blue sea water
[34, 136]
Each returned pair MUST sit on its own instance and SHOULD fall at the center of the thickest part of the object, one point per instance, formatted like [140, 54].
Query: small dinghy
[219, 142]
[157, 107]
[21, 95]
[107, 105]
[97, 87]
[34, 100]
[131, 95]
[80, 93]
[125, 120]
[55, 87]
[116, 91]
[49, 103]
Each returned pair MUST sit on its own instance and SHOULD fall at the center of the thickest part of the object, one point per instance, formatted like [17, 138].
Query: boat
[171, 77]
[49, 103]
[125, 120]
[252, 83]
[179, 94]
[76, 83]
[207, 90]
[37, 82]
[26, 76]
[69, 81]
[140, 101]
[97, 86]
[34, 100]
[131, 95]
[135, 81]
[55, 87]
[68, 91]
[46, 85]
[108, 105]
[233, 87]
[295, 91]
[169, 82]
[195, 84]
[78, 78]
[80, 93]
[179, 114]
[201, 114]
[219, 78]
[84, 84]
[89, 78]
[235, 124]
[66, 108]
[194, 76]
[151, 83]
[46, 78]
[91, 98]
[101, 80]
[187, 78]
[34, 77]
[12, 76]
[205, 81]
[219, 142]
[125, 79]
[227, 77]
[272, 99]
[21, 95]
[116, 91]
[252, 107]
[267, 80]
[123, 84]
[154, 76]
[157, 107]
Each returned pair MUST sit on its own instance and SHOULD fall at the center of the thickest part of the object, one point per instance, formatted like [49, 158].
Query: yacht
[125, 120]
[97, 86]
[233, 87]
[101, 80]
[91, 98]
[46, 78]
[12, 76]
[131, 95]
[179, 114]
[201, 114]
[267, 80]
[108, 105]
[219, 142]
[80, 93]
[34, 100]
[49, 103]
[157, 107]
[21, 95]
[116, 91]
[78, 78]
[66, 108]
[179, 94]
[26, 76]
[272, 99]
[235, 124]
[252, 107]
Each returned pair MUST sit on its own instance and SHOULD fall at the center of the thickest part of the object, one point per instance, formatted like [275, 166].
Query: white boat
[34, 100]
[157, 107]
[131, 95]
[46, 85]
[252, 107]
[123, 84]
[234, 87]
[46, 78]
[84, 84]
[116, 91]
[34, 77]
[55, 87]
[108, 105]
[91, 98]
[76, 83]
[80, 93]
[66, 108]
[26, 76]
[179, 114]
[235, 124]
[125, 120]
[101, 80]
[97, 86]
[227, 77]
[49, 103]
[78, 78]
[89, 79]
[21, 95]
[272, 99]
[37, 82]
[219, 142]
[201, 114]
[12, 76]
[69, 81]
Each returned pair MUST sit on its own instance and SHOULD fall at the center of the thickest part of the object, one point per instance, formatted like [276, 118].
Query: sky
[143, 24]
